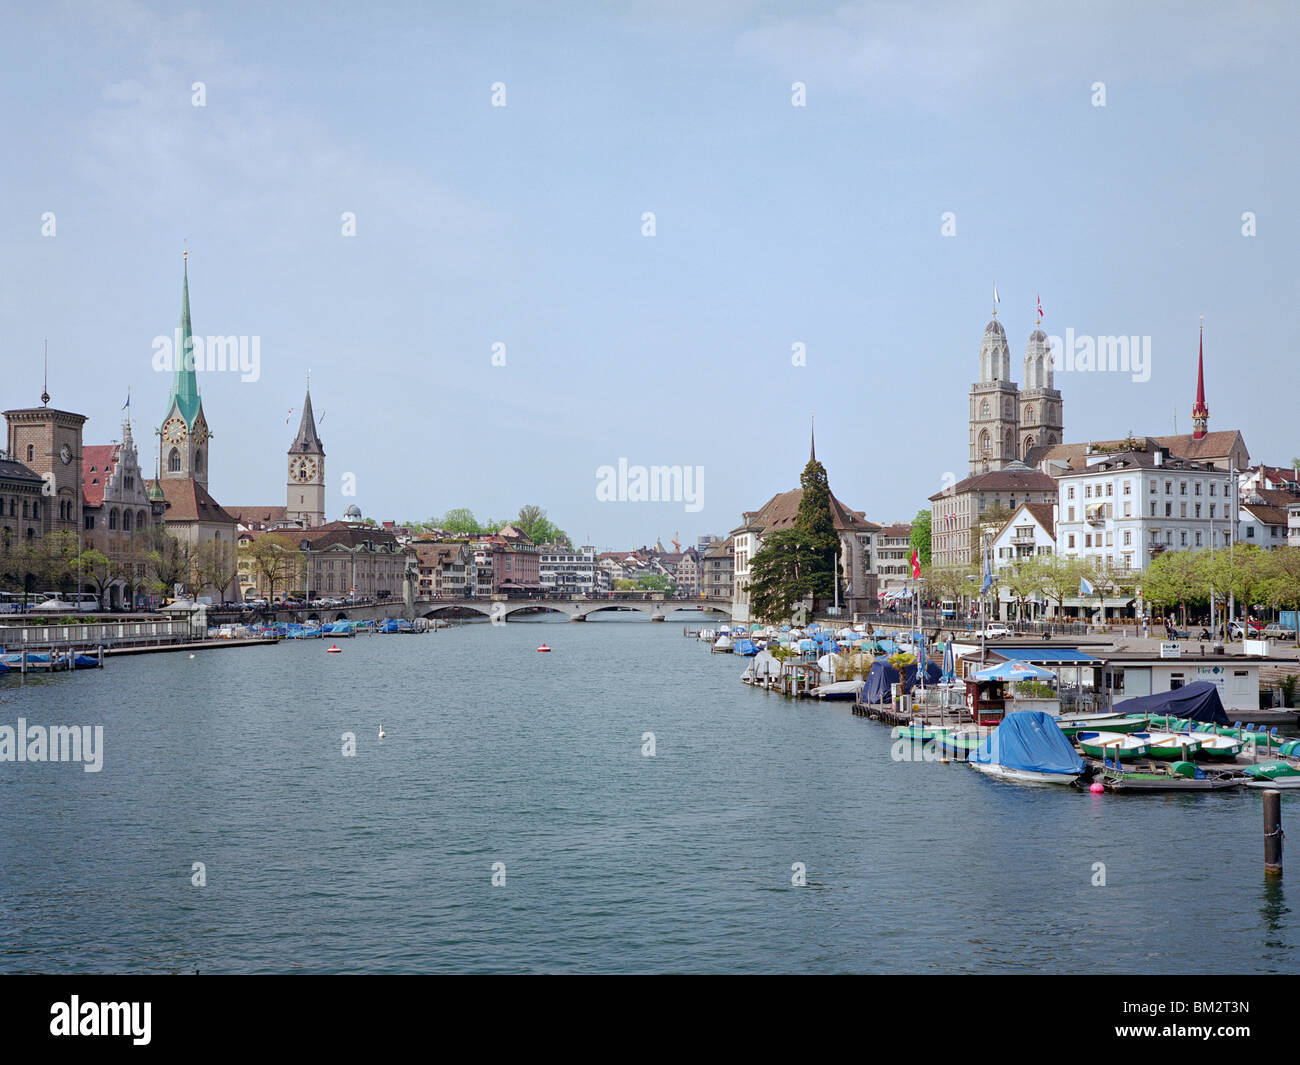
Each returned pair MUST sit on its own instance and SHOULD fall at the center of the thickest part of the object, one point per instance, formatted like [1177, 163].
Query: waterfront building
[445, 568]
[1263, 515]
[48, 441]
[856, 534]
[20, 522]
[119, 518]
[335, 560]
[565, 570]
[893, 559]
[717, 569]
[958, 514]
[1126, 508]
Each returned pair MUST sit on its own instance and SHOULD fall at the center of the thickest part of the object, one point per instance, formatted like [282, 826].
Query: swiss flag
[916, 565]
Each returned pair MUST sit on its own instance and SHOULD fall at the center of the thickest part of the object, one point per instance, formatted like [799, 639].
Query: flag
[996, 298]
[1040, 305]
[988, 573]
[127, 404]
[1085, 587]
[916, 564]
[288, 416]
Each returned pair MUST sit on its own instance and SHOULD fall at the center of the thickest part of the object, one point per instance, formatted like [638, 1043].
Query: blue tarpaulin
[1030, 740]
[1198, 701]
[882, 675]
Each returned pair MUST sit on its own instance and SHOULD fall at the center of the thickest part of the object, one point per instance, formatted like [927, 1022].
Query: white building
[565, 570]
[1128, 507]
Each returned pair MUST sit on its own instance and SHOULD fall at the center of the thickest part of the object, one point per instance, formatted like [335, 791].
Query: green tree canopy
[921, 535]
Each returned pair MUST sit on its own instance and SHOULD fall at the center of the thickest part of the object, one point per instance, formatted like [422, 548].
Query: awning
[1046, 655]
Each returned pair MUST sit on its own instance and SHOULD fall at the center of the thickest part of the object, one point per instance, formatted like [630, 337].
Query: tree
[55, 558]
[215, 566]
[1280, 586]
[274, 561]
[1171, 579]
[1024, 581]
[461, 521]
[169, 562]
[533, 523]
[100, 570]
[1059, 577]
[921, 536]
[797, 562]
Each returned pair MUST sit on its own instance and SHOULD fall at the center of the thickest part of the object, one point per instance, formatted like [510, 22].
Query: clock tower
[305, 495]
[184, 433]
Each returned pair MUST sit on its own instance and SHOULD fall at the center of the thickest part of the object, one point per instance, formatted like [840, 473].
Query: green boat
[921, 733]
[1181, 776]
[960, 745]
[1170, 746]
[1072, 725]
[1108, 746]
[1273, 775]
[1260, 739]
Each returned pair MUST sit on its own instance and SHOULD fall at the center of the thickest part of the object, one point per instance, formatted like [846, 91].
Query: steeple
[1200, 412]
[185, 383]
[812, 439]
[307, 442]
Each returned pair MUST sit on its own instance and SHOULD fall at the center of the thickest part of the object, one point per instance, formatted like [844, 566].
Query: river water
[384, 861]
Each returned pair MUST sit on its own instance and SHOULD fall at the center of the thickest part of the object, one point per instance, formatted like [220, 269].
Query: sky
[501, 324]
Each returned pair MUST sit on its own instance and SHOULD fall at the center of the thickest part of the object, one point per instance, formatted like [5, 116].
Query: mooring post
[1273, 834]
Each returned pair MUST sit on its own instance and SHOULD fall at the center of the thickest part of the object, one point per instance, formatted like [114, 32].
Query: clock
[174, 430]
[200, 433]
[302, 469]
[65, 453]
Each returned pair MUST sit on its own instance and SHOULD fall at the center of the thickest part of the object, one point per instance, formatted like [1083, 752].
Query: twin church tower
[1007, 420]
[185, 437]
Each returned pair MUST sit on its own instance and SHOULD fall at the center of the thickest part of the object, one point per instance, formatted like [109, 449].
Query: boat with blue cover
[1028, 747]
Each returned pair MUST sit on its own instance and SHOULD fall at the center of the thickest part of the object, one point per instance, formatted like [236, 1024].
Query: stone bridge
[576, 609]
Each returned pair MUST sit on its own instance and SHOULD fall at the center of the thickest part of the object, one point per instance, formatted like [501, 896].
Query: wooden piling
[1273, 834]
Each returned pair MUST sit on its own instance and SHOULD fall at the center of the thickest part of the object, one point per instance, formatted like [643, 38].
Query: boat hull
[1022, 776]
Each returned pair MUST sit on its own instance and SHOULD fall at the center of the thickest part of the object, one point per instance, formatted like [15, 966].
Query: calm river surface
[383, 862]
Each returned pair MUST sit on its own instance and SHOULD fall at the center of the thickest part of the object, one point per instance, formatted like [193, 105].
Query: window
[1198, 539]
[1069, 492]
[1153, 508]
[1128, 509]
[1128, 488]
[1182, 538]
[1070, 511]
[31, 452]
[1182, 510]
[1070, 538]
[1087, 539]
[1213, 507]
[1198, 510]
[112, 518]
[1169, 510]
[126, 521]
[174, 461]
[1128, 537]
[1198, 487]
[1182, 488]
[1213, 486]
[1169, 488]
[1153, 487]
[1109, 488]
[1087, 491]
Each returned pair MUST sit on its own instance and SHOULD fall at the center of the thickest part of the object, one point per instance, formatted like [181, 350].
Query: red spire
[1200, 412]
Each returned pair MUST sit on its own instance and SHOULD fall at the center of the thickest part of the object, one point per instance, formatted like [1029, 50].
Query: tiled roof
[1266, 514]
[188, 500]
[97, 462]
[1212, 446]
[1001, 481]
[258, 517]
[780, 512]
[897, 532]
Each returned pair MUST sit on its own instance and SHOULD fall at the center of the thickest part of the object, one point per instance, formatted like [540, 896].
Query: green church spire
[185, 383]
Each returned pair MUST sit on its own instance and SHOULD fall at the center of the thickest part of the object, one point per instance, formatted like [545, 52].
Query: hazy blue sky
[522, 224]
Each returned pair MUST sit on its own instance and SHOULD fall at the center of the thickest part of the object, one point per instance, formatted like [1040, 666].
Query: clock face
[200, 433]
[174, 430]
[65, 453]
[302, 469]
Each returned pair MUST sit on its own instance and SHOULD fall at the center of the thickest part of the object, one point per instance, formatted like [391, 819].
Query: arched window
[984, 409]
[126, 521]
[1010, 445]
[1029, 442]
[174, 461]
[986, 443]
[198, 462]
[36, 508]
[112, 518]
[1029, 414]
[139, 519]
[1042, 381]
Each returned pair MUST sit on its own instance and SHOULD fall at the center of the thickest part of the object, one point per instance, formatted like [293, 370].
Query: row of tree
[1175, 580]
[531, 521]
[58, 562]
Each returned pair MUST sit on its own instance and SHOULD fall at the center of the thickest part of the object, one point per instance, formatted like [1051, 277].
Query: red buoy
[333, 649]
[543, 648]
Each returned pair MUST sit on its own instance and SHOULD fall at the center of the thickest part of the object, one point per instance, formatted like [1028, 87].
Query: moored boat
[1273, 775]
[1170, 745]
[1072, 724]
[1028, 747]
[1111, 745]
[1180, 776]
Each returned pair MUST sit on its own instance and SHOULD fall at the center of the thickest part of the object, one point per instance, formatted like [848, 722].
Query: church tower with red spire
[1200, 412]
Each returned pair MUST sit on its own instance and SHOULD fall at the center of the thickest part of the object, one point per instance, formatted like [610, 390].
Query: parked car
[996, 631]
[1278, 632]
